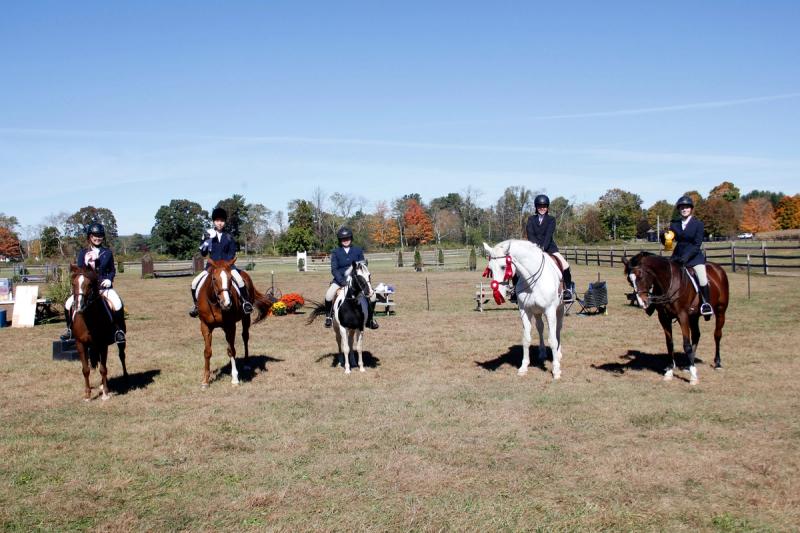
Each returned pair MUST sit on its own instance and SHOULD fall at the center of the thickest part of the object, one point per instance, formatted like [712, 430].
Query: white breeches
[702, 278]
[198, 280]
[564, 264]
[110, 295]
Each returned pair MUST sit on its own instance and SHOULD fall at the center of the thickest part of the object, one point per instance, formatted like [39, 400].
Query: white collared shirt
[685, 221]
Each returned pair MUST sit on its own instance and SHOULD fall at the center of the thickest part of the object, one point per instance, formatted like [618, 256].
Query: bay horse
[350, 312]
[219, 305]
[538, 293]
[93, 328]
[665, 286]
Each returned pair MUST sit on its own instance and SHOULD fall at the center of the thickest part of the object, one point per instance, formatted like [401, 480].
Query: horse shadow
[635, 360]
[370, 361]
[513, 357]
[136, 380]
[247, 368]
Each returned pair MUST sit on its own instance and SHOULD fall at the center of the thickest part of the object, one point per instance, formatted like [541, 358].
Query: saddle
[559, 266]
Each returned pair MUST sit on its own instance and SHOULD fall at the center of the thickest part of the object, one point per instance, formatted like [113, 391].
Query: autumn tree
[9, 244]
[661, 212]
[725, 191]
[718, 216]
[787, 214]
[383, 228]
[418, 225]
[773, 197]
[757, 215]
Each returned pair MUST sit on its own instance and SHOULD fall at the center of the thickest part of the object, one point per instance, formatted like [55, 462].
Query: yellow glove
[669, 240]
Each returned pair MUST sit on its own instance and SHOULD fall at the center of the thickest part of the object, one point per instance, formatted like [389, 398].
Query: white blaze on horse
[538, 291]
[350, 312]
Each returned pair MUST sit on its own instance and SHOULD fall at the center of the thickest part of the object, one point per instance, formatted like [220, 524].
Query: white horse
[538, 292]
[350, 312]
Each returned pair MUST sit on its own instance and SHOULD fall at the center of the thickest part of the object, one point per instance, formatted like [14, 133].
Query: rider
[219, 245]
[100, 259]
[342, 258]
[689, 238]
[540, 230]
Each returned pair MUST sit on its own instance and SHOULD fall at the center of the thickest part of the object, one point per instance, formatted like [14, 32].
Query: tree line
[455, 219]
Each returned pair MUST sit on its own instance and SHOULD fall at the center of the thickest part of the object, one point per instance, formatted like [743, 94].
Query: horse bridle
[509, 273]
[659, 299]
[358, 280]
[90, 298]
[217, 292]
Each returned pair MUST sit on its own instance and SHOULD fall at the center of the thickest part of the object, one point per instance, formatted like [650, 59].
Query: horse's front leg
[526, 342]
[694, 325]
[683, 319]
[359, 337]
[540, 330]
[230, 336]
[207, 337]
[104, 372]
[246, 339]
[350, 334]
[666, 325]
[82, 352]
[344, 348]
[719, 320]
[553, 337]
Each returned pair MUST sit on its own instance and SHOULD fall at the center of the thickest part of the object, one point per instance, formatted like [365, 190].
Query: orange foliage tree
[383, 228]
[9, 244]
[787, 213]
[419, 228]
[757, 215]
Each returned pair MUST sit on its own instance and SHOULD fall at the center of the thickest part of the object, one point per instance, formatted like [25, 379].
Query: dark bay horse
[220, 306]
[664, 286]
[92, 327]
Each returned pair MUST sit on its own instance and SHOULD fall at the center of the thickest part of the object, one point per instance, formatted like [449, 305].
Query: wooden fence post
[764, 257]
[733, 257]
[586, 256]
[598, 256]
[612, 257]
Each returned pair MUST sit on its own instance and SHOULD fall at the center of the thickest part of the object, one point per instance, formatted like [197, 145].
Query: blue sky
[130, 105]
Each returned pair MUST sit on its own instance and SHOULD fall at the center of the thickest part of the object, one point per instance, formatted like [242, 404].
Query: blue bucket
[3, 322]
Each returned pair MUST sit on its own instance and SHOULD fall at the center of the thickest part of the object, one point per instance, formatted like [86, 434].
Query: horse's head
[84, 286]
[360, 278]
[221, 281]
[500, 270]
[641, 277]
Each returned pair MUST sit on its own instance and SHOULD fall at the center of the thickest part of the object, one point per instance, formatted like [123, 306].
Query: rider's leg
[67, 335]
[196, 283]
[705, 296]
[247, 307]
[117, 314]
[512, 293]
[371, 323]
[567, 296]
[329, 297]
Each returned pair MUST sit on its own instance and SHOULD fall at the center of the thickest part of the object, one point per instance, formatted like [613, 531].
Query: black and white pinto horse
[350, 313]
[538, 293]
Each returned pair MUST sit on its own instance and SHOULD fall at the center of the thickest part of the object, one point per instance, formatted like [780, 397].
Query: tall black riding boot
[328, 314]
[119, 320]
[512, 296]
[705, 307]
[67, 335]
[193, 311]
[371, 324]
[247, 307]
[567, 296]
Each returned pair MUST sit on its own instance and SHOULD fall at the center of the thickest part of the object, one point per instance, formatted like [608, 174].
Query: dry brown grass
[439, 434]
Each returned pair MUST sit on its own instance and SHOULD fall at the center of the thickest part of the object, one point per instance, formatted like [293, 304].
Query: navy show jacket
[341, 261]
[542, 234]
[104, 265]
[688, 242]
[220, 248]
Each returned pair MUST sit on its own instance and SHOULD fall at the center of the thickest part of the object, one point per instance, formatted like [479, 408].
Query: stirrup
[247, 307]
[67, 335]
[119, 337]
[567, 296]
[373, 325]
[193, 312]
[706, 309]
[328, 322]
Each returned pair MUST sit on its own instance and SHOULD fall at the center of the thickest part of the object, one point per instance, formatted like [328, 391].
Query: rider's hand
[106, 284]
[212, 233]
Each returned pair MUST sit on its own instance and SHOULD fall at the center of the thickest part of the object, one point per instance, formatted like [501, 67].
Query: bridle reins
[669, 296]
[509, 273]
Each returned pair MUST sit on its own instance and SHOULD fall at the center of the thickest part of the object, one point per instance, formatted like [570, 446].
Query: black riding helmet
[541, 201]
[344, 233]
[219, 214]
[95, 228]
[684, 201]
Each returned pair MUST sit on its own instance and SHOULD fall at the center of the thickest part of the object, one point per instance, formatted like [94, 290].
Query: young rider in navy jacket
[342, 258]
[689, 239]
[540, 230]
[219, 245]
[101, 259]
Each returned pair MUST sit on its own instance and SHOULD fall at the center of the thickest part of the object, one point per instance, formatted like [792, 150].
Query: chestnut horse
[220, 306]
[663, 285]
[92, 328]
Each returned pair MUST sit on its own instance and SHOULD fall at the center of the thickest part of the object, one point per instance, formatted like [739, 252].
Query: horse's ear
[487, 248]
[232, 262]
[625, 261]
[213, 263]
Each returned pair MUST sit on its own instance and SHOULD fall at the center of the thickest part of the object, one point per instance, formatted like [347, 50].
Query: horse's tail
[318, 309]
[263, 303]
[94, 355]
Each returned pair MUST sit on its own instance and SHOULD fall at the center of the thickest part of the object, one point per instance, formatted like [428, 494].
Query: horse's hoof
[86, 400]
[522, 371]
[347, 371]
[717, 367]
[361, 369]
[694, 381]
[556, 375]
[105, 397]
[235, 383]
[666, 378]
[203, 386]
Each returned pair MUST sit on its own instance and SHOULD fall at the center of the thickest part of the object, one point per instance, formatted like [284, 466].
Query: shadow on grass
[513, 357]
[370, 361]
[636, 360]
[136, 380]
[248, 368]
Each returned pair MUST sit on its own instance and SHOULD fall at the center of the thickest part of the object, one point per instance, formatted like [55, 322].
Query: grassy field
[438, 434]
